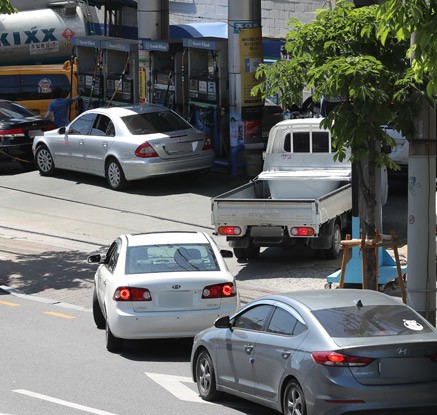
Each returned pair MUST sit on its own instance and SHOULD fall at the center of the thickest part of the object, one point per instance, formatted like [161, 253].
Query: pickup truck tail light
[302, 231]
[229, 230]
[219, 291]
[132, 294]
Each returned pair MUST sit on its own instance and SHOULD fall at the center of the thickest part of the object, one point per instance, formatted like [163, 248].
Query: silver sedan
[322, 352]
[124, 144]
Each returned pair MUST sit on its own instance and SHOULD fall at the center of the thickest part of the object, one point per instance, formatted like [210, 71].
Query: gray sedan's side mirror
[94, 259]
[223, 323]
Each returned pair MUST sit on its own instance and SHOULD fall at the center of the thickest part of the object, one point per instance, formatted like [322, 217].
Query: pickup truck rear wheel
[240, 253]
[252, 251]
[334, 251]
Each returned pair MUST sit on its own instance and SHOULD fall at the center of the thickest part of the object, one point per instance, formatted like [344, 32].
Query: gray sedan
[124, 144]
[322, 352]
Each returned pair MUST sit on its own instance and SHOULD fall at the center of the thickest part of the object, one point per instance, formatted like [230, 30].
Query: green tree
[339, 56]
[6, 7]
[403, 18]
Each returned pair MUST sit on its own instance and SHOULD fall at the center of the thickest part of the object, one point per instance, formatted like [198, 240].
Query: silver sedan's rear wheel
[205, 377]
[115, 175]
[44, 161]
[294, 401]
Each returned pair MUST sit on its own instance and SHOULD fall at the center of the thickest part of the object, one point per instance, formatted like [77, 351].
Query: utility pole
[421, 284]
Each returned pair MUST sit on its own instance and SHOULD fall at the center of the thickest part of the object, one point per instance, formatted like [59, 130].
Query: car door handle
[105, 144]
[81, 141]
[285, 354]
[248, 348]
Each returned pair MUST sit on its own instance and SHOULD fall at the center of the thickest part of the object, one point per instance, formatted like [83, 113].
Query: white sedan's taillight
[219, 291]
[132, 294]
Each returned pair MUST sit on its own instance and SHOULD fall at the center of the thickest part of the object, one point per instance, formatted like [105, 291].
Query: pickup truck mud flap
[324, 240]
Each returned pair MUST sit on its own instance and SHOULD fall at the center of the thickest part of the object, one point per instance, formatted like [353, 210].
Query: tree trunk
[370, 231]
[367, 211]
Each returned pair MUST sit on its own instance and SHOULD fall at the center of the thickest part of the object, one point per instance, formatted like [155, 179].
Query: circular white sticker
[413, 325]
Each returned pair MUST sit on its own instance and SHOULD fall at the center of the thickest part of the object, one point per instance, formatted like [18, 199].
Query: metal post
[244, 16]
[421, 282]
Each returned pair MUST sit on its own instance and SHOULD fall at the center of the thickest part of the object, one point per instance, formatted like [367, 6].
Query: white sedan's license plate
[180, 299]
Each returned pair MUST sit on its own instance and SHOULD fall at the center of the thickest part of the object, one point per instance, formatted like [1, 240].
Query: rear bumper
[165, 324]
[144, 168]
[344, 395]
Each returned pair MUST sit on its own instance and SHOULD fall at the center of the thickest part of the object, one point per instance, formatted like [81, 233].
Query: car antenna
[358, 303]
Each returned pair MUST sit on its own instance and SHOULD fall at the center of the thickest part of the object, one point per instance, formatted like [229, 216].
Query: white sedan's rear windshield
[371, 321]
[155, 122]
[170, 258]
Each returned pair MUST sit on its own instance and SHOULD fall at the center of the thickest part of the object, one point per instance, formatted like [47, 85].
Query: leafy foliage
[419, 17]
[339, 56]
[6, 7]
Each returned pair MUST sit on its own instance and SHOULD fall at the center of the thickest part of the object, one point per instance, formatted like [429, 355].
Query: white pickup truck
[301, 196]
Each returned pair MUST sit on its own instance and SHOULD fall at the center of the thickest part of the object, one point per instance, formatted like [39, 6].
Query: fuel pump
[107, 70]
[208, 87]
[121, 71]
[89, 56]
[165, 84]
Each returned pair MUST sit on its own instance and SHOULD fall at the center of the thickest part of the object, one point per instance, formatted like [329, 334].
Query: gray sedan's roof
[319, 299]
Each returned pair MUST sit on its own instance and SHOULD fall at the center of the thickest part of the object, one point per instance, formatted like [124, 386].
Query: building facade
[275, 13]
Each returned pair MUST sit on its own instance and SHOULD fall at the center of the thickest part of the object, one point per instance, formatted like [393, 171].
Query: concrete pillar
[244, 54]
[421, 281]
[153, 24]
[153, 19]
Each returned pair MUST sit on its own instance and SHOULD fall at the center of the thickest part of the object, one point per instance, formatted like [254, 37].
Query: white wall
[275, 13]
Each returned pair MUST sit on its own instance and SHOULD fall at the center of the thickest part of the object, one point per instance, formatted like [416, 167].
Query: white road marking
[61, 402]
[175, 385]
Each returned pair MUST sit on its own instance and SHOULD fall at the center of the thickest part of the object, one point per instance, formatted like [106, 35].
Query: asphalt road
[51, 224]
[53, 358]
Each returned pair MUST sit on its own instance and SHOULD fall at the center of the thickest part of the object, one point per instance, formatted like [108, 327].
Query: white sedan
[161, 285]
[123, 144]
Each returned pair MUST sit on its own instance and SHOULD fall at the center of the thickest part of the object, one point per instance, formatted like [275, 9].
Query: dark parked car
[322, 352]
[272, 114]
[18, 127]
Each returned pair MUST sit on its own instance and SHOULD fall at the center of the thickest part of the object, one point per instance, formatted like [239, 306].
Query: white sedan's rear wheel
[113, 344]
[98, 316]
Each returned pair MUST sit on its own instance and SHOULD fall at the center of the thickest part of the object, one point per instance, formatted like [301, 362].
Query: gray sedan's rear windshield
[371, 321]
[155, 122]
[170, 258]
